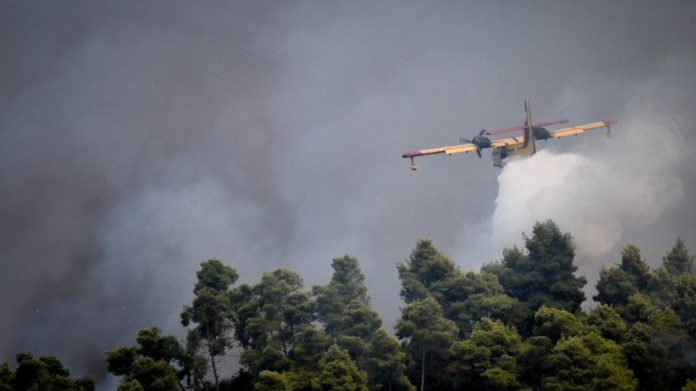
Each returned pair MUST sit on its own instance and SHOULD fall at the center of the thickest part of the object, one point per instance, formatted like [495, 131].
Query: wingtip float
[522, 145]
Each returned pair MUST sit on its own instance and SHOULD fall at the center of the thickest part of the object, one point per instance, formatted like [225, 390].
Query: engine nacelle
[541, 133]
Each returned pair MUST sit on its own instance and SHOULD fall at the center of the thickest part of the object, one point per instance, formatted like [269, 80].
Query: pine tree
[678, 260]
[426, 272]
[152, 364]
[268, 319]
[346, 286]
[487, 360]
[428, 336]
[43, 373]
[545, 275]
[339, 372]
[386, 363]
[210, 311]
[617, 283]
[587, 362]
[272, 381]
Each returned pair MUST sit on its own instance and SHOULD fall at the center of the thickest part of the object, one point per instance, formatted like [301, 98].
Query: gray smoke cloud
[140, 139]
[608, 192]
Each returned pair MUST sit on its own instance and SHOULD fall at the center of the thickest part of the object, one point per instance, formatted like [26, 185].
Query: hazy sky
[139, 139]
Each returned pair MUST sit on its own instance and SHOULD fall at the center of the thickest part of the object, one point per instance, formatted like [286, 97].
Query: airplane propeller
[479, 140]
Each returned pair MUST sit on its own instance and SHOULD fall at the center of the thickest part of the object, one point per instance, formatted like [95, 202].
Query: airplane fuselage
[526, 145]
[511, 150]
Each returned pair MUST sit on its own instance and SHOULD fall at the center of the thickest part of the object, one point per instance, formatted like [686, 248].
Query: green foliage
[631, 276]
[678, 260]
[385, 364]
[44, 373]
[195, 366]
[546, 275]
[429, 337]
[633, 264]
[674, 285]
[215, 275]
[581, 358]
[478, 295]
[130, 385]
[587, 362]
[268, 319]
[157, 346]
[339, 372]
[269, 357]
[343, 305]
[608, 323]
[151, 364]
[210, 312]
[310, 345]
[689, 386]
[685, 302]
[487, 360]
[272, 381]
[426, 272]
[359, 324]
[532, 359]
[657, 309]
[659, 351]
[121, 360]
[153, 375]
[515, 324]
[555, 324]
[347, 282]
[464, 297]
[614, 287]
[6, 377]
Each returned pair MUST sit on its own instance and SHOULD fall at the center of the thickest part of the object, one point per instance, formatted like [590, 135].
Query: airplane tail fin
[528, 143]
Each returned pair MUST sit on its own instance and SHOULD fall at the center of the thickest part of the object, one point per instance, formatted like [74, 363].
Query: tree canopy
[514, 324]
[42, 373]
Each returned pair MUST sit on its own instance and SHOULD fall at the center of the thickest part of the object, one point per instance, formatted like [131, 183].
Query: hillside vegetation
[515, 324]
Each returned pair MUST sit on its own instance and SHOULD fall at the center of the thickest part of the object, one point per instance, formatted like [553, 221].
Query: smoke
[616, 189]
[138, 140]
[543, 186]
[597, 200]
[124, 165]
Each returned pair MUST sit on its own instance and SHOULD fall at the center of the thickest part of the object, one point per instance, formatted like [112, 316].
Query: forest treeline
[515, 324]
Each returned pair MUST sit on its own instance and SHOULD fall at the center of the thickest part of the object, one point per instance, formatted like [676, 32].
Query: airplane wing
[501, 142]
[580, 128]
[459, 148]
[514, 128]
[450, 149]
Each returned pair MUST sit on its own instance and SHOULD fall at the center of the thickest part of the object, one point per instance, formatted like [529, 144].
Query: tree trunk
[215, 375]
[212, 358]
[212, 364]
[422, 368]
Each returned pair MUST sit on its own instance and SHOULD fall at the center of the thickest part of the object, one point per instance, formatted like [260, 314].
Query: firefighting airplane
[512, 146]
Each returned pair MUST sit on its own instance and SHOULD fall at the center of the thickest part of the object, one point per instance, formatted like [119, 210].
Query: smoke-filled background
[138, 139]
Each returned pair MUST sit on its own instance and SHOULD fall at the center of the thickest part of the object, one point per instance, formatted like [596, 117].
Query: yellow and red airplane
[512, 146]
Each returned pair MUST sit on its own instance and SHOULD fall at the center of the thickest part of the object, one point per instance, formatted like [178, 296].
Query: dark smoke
[139, 139]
